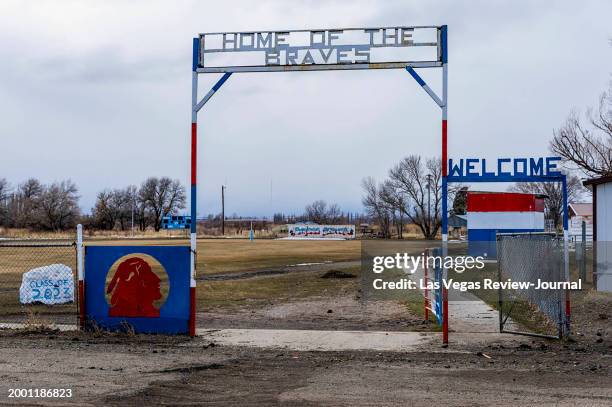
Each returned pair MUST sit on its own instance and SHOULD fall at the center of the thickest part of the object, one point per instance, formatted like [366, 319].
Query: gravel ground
[126, 370]
[158, 370]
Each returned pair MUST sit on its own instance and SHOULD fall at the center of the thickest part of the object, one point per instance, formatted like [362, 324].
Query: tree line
[55, 206]
[321, 212]
[145, 205]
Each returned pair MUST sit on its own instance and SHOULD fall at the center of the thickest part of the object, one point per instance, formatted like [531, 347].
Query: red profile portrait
[133, 290]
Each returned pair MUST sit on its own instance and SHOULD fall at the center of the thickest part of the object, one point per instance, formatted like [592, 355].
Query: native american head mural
[134, 289]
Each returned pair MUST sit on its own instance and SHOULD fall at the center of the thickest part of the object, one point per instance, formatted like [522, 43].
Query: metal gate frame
[196, 106]
[563, 322]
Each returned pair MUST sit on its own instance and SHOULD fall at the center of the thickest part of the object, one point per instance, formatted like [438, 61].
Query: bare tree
[162, 196]
[58, 208]
[395, 202]
[333, 214]
[23, 204]
[4, 189]
[553, 203]
[124, 201]
[143, 219]
[315, 211]
[375, 207]
[588, 147]
[320, 212]
[410, 178]
[105, 211]
[4, 195]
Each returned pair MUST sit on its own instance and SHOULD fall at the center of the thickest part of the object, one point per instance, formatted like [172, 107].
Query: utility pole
[223, 210]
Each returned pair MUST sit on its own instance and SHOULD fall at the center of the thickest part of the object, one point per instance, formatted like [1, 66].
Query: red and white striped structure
[489, 213]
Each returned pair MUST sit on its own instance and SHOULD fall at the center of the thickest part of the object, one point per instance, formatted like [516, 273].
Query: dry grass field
[229, 279]
[234, 255]
[215, 256]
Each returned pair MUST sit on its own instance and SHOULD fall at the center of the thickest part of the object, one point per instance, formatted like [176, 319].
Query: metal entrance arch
[317, 50]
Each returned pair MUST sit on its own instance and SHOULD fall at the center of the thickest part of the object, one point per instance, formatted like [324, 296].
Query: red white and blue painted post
[194, 173]
[443, 103]
[195, 108]
[444, 46]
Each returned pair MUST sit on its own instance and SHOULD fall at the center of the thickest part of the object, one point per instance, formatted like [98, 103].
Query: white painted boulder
[52, 284]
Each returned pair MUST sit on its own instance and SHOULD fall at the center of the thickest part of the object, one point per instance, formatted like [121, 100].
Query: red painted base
[81, 304]
[192, 313]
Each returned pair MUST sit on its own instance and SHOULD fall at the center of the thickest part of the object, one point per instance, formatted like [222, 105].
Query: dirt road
[157, 370]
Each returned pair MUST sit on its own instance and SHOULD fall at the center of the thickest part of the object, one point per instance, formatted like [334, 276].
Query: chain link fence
[530, 260]
[38, 283]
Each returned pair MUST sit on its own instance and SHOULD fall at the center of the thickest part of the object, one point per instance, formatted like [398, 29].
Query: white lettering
[227, 41]
[264, 42]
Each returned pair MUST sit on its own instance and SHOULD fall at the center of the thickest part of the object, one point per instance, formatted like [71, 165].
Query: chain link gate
[530, 259]
[44, 296]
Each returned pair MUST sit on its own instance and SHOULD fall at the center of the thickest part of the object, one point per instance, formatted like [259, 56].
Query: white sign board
[299, 50]
[306, 231]
[52, 284]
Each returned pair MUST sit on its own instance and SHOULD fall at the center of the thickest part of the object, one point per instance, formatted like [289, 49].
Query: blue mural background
[173, 314]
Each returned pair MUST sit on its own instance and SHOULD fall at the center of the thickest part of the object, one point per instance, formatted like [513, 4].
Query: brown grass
[257, 292]
[232, 255]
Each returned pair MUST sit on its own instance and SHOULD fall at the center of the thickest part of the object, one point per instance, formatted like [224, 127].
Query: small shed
[578, 213]
[457, 225]
[602, 231]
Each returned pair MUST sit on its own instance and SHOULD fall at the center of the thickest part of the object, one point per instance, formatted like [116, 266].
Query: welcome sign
[481, 168]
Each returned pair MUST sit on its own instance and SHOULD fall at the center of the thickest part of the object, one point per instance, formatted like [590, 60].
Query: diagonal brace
[427, 89]
[211, 92]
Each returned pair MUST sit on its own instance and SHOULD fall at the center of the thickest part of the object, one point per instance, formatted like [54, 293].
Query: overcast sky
[100, 91]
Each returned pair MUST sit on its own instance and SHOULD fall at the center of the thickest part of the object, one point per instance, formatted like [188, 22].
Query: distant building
[489, 213]
[457, 225]
[602, 231]
[176, 222]
[578, 213]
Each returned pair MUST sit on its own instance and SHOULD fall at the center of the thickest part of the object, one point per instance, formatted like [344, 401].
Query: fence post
[444, 315]
[566, 255]
[80, 274]
[583, 262]
[426, 294]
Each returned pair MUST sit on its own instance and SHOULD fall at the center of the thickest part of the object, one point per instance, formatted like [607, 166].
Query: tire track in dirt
[293, 268]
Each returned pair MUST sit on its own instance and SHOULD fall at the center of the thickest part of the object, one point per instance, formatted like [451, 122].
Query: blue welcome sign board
[144, 288]
[504, 169]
